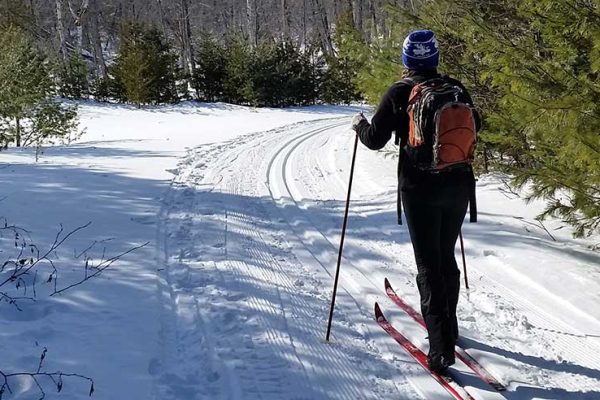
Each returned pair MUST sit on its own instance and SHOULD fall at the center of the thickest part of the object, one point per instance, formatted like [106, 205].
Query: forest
[532, 65]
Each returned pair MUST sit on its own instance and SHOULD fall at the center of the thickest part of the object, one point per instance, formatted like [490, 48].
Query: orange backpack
[442, 132]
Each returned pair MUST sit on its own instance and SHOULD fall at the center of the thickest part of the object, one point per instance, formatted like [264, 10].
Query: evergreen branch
[534, 103]
[589, 145]
[566, 185]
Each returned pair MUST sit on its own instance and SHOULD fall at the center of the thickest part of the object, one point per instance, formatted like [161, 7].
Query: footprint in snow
[235, 296]
[147, 220]
[490, 253]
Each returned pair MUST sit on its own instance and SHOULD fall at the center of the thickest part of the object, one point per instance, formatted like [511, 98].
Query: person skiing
[435, 200]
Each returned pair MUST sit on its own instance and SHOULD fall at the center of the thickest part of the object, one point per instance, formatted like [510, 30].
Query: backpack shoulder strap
[406, 81]
[411, 83]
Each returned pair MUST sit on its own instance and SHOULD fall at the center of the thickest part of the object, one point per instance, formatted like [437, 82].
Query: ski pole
[462, 250]
[339, 260]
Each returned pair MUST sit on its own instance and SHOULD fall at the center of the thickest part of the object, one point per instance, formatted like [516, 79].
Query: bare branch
[55, 377]
[21, 271]
[99, 268]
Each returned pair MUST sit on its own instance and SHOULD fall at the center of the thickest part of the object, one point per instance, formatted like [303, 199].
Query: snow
[241, 211]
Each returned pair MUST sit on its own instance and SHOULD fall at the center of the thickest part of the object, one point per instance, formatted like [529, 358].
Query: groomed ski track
[248, 241]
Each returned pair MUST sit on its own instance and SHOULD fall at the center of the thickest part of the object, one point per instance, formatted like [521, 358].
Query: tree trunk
[189, 61]
[375, 23]
[186, 39]
[323, 26]
[161, 15]
[34, 16]
[78, 16]
[383, 23]
[252, 22]
[60, 29]
[18, 133]
[342, 7]
[304, 18]
[285, 19]
[358, 15]
[99, 61]
[336, 10]
[349, 7]
[411, 4]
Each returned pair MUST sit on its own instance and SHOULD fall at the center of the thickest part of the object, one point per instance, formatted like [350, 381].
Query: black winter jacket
[391, 117]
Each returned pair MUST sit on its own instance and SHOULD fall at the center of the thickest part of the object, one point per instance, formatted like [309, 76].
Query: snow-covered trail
[242, 209]
[114, 177]
[236, 275]
[504, 308]
[248, 239]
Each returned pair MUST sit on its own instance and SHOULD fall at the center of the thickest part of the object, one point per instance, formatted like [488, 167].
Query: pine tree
[306, 75]
[49, 121]
[25, 82]
[145, 69]
[338, 79]
[73, 78]
[209, 74]
[372, 66]
[540, 61]
[103, 88]
[28, 115]
[283, 76]
[238, 87]
[560, 92]
[132, 71]
[267, 76]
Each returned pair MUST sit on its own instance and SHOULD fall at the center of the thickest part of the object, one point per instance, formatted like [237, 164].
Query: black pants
[434, 217]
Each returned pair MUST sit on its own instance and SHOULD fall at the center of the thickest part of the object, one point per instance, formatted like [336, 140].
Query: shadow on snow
[237, 234]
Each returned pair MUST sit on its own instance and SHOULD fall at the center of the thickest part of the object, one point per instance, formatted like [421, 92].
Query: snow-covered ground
[242, 209]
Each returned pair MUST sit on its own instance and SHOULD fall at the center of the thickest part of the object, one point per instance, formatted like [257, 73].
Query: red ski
[456, 390]
[460, 353]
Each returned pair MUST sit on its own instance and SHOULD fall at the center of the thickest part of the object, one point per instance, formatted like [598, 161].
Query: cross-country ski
[447, 382]
[460, 353]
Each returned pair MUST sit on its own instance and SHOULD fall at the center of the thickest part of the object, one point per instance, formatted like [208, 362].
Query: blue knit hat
[420, 50]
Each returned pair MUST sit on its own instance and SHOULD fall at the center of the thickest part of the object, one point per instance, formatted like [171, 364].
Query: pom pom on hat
[421, 50]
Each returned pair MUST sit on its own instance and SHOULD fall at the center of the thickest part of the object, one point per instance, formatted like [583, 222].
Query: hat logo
[420, 50]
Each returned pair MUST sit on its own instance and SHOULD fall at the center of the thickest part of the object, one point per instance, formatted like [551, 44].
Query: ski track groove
[239, 252]
[183, 321]
[255, 377]
[262, 251]
[280, 163]
[266, 262]
[569, 347]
